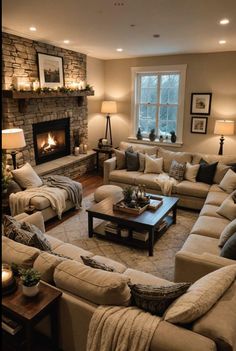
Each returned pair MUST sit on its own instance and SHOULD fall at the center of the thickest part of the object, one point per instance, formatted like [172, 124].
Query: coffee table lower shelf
[100, 232]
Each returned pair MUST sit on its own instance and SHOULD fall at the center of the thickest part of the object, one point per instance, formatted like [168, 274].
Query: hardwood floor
[90, 183]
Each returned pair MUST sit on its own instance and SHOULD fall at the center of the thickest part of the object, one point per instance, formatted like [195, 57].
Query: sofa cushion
[132, 161]
[148, 149]
[153, 165]
[215, 197]
[122, 176]
[228, 208]
[149, 180]
[13, 252]
[120, 159]
[228, 183]
[72, 251]
[26, 177]
[223, 333]
[201, 296]
[118, 267]
[95, 285]
[54, 241]
[156, 299]
[209, 158]
[191, 172]
[221, 170]
[192, 189]
[210, 211]
[45, 264]
[169, 156]
[206, 172]
[216, 188]
[229, 248]
[177, 170]
[207, 227]
[228, 231]
[138, 277]
[198, 244]
[40, 203]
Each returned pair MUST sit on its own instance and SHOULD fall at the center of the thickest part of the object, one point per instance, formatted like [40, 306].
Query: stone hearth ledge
[62, 162]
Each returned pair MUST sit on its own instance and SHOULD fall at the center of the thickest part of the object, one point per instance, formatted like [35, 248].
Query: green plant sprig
[29, 277]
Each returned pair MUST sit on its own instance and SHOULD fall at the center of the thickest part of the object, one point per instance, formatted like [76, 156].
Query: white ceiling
[98, 27]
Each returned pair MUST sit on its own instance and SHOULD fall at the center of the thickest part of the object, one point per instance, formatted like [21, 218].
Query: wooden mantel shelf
[24, 96]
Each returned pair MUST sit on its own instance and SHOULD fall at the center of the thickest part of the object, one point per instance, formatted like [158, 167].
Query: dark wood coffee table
[149, 221]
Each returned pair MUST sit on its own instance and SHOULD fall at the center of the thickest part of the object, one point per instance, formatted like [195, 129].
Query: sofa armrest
[35, 218]
[108, 166]
[190, 266]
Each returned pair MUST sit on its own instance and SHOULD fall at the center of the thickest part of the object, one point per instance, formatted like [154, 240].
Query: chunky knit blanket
[166, 183]
[118, 328]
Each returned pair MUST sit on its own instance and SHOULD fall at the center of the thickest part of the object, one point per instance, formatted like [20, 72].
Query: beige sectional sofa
[79, 300]
[192, 195]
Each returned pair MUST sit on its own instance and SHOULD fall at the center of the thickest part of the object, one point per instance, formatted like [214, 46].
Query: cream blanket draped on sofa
[118, 328]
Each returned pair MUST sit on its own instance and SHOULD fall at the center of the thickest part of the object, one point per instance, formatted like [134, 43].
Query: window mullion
[158, 101]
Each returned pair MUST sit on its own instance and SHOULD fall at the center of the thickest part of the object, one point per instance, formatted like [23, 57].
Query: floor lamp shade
[223, 127]
[13, 139]
[109, 107]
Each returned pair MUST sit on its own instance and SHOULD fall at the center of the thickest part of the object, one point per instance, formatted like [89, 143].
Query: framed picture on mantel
[50, 71]
[200, 103]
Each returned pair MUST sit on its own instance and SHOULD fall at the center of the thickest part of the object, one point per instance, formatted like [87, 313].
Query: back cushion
[98, 286]
[13, 252]
[169, 156]
[148, 149]
[46, 263]
[225, 159]
[26, 177]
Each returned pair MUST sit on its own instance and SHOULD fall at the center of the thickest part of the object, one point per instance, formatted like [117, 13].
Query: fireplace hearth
[51, 140]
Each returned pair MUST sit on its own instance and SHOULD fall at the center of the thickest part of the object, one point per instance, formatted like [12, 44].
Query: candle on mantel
[74, 85]
[81, 149]
[77, 150]
[35, 84]
[85, 149]
[7, 276]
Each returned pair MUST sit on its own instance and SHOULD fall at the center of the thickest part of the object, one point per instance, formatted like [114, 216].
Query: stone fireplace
[51, 140]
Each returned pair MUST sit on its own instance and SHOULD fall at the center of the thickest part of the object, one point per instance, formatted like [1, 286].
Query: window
[159, 99]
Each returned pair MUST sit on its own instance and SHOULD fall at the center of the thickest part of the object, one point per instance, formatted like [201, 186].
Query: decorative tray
[121, 206]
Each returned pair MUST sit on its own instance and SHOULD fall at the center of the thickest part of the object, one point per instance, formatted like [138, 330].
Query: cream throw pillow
[191, 172]
[26, 177]
[228, 208]
[153, 165]
[228, 183]
[229, 230]
[201, 296]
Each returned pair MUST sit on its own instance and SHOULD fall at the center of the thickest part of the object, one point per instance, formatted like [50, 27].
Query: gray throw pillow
[177, 170]
[229, 248]
[34, 230]
[132, 161]
[156, 299]
[88, 261]
[120, 157]
[229, 230]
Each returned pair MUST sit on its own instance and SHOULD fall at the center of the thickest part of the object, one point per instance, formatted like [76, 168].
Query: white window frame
[181, 70]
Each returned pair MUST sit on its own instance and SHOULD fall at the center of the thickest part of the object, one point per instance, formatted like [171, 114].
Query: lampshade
[224, 127]
[13, 138]
[109, 107]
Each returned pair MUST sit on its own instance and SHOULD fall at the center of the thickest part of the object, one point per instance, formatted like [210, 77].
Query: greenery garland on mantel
[63, 89]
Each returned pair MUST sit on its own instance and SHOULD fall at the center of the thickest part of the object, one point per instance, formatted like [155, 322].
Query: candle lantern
[8, 280]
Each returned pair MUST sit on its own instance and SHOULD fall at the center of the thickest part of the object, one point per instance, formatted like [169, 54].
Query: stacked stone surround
[19, 59]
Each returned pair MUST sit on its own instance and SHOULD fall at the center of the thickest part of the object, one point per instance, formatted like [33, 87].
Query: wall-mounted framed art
[200, 103]
[50, 71]
[199, 125]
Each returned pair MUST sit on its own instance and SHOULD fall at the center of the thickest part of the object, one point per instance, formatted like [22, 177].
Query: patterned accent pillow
[177, 170]
[9, 223]
[88, 261]
[156, 299]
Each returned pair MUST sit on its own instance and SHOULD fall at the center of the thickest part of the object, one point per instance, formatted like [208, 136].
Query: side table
[28, 311]
[105, 150]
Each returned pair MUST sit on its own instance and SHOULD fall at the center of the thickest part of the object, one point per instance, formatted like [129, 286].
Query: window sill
[146, 141]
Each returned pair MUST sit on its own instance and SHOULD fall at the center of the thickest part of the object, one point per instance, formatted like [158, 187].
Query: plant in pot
[173, 136]
[128, 193]
[30, 281]
[152, 135]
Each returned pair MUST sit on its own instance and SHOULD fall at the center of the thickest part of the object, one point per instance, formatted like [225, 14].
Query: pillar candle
[77, 149]
[85, 149]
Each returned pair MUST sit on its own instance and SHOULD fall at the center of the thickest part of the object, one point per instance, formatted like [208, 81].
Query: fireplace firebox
[51, 140]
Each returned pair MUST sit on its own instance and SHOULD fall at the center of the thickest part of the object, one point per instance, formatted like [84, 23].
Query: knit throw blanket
[166, 183]
[118, 328]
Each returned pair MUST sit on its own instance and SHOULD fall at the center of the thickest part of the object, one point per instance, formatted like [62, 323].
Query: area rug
[161, 264]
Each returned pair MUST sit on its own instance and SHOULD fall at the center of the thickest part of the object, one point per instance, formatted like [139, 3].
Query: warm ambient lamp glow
[223, 127]
[109, 107]
[13, 139]
[8, 280]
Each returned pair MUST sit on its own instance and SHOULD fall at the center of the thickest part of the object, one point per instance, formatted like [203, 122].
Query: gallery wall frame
[201, 104]
[199, 125]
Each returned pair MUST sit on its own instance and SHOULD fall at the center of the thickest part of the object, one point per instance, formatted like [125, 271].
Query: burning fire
[51, 141]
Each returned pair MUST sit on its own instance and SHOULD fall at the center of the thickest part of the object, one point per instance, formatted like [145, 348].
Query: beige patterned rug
[75, 231]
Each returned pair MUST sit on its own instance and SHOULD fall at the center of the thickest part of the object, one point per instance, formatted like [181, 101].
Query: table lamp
[8, 280]
[13, 139]
[223, 127]
[109, 107]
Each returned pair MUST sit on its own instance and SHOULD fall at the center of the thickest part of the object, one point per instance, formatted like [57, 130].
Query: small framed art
[200, 103]
[199, 125]
[50, 71]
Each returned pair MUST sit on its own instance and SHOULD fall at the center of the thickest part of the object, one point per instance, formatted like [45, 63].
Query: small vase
[173, 137]
[30, 291]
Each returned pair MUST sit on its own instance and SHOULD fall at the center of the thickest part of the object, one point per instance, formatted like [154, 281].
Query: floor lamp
[109, 107]
[13, 139]
[223, 127]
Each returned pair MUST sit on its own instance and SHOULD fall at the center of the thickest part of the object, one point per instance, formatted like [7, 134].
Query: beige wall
[214, 73]
[96, 122]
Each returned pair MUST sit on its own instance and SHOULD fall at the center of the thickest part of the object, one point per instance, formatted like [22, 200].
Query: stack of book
[140, 235]
[162, 225]
[111, 228]
[9, 325]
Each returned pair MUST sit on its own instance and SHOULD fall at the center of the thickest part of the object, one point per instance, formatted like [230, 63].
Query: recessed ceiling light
[224, 21]
[119, 49]
[156, 35]
[33, 29]
[221, 42]
[66, 41]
